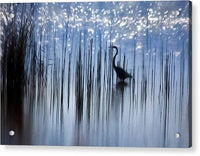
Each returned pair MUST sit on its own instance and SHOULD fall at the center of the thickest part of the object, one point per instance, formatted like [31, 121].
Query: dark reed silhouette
[121, 73]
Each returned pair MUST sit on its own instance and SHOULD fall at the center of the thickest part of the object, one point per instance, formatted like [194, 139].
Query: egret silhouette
[121, 73]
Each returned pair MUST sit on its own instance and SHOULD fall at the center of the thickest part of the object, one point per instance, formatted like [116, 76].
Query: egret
[121, 73]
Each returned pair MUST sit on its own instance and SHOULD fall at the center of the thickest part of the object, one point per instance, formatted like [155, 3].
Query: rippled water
[58, 86]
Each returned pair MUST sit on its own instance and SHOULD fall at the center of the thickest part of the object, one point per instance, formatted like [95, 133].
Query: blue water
[77, 98]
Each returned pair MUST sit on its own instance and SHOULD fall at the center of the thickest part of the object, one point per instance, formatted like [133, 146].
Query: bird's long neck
[114, 66]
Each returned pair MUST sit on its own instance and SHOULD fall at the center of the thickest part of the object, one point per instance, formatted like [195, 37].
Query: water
[64, 91]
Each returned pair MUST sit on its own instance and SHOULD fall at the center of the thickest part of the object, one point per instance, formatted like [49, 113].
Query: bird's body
[121, 73]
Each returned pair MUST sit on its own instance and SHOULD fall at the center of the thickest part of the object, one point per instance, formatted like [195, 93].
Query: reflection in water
[58, 86]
